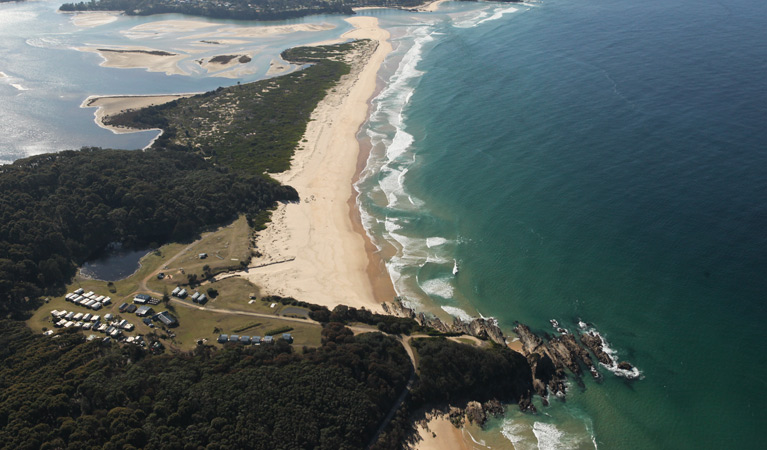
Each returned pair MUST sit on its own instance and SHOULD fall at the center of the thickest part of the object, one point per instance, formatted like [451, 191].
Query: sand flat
[330, 265]
[126, 57]
[92, 19]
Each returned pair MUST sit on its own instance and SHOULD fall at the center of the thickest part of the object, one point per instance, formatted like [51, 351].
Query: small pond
[114, 264]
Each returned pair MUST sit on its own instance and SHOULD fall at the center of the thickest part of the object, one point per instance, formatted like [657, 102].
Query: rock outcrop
[479, 327]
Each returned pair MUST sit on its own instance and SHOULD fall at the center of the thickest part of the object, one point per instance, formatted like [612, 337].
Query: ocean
[600, 162]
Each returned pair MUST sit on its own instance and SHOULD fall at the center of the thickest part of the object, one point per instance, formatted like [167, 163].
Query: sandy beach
[430, 6]
[109, 105]
[440, 434]
[325, 254]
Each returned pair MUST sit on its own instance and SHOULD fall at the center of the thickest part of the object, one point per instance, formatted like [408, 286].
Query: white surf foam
[549, 436]
[19, 87]
[519, 434]
[438, 287]
[458, 313]
[435, 241]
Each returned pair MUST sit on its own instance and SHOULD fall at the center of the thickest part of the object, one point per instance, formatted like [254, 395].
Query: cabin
[144, 311]
[202, 299]
[131, 309]
[148, 322]
[234, 338]
[78, 316]
[245, 340]
[128, 327]
[141, 299]
[223, 339]
[107, 301]
[90, 303]
[195, 296]
[256, 340]
[79, 291]
[287, 338]
[182, 293]
[267, 340]
[175, 291]
[87, 316]
[96, 306]
[95, 318]
[167, 319]
[122, 307]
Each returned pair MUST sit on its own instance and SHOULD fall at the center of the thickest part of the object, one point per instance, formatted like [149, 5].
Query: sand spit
[110, 105]
[330, 265]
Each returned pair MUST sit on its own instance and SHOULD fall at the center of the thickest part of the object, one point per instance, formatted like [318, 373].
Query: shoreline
[107, 105]
[334, 264]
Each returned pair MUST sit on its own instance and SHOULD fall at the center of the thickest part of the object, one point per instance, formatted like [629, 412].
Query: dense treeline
[249, 128]
[386, 323]
[68, 393]
[235, 9]
[450, 371]
[56, 210]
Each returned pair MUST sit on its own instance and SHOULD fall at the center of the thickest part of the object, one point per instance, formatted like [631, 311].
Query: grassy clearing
[225, 247]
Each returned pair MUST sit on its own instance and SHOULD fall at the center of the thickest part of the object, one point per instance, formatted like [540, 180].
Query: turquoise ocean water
[599, 161]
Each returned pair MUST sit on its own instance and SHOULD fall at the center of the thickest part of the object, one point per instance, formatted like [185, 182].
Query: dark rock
[475, 413]
[493, 407]
[593, 342]
[624, 365]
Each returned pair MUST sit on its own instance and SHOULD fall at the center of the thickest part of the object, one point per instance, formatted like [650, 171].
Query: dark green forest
[249, 128]
[56, 210]
[71, 394]
[235, 9]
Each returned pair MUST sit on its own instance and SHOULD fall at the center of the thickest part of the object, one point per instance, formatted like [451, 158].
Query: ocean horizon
[601, 165]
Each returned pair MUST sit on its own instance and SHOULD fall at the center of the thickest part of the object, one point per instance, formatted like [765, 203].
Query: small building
[202, 299]
[234, 338]
[167, 319]
[95, 318]
[195, 296]
[122, 307]
[109, 316]
[61, 323]
[245, 340]
[88, 294]
[96, 306]
[79, 291]
[255, 340]
[78, 316]
[267, 340]
[69, 315]
[87, 326]
[148, 322]
[100, 298]
[287, 338]
[141, 299]
[87, 316]
[144, 311]
[176, 290]
[68, 324]
[223, 338]
[107, 301]
[202, 255]
[131, 309]
[128, 327]
[182, 293]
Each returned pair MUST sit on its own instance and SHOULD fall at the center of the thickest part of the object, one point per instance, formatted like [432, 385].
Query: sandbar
[91, 19]
[151, 59]
[315, 249]
[430, 6]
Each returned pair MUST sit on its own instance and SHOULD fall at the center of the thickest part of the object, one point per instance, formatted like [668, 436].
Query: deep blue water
[599, 161]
